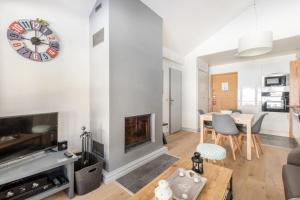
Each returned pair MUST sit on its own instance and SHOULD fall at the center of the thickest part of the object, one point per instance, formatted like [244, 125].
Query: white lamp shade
[255, 44]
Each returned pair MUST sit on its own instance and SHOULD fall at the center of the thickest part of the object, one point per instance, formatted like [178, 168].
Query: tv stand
[22, 160]
[51, 160]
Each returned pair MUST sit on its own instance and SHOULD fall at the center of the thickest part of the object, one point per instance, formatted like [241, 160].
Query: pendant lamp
[255, 43]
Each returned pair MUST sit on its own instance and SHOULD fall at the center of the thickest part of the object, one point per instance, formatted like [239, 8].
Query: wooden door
[175, 111]
[224, 91]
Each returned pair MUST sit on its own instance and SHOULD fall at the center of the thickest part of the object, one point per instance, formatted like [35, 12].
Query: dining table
[242, 119]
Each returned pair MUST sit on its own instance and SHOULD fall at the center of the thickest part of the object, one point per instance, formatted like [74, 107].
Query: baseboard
[273, 132]
[117, 173]
[298, 141]
[190, 130]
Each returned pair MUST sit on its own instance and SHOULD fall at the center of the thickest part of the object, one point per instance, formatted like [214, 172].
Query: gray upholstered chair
[255, 129]
[225, 128]
[291, 175]
[207, 126]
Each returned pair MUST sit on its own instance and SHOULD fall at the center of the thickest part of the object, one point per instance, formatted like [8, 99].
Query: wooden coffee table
[219, 181]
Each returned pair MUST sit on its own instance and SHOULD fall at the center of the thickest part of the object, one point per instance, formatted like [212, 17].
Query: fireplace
[137, 131]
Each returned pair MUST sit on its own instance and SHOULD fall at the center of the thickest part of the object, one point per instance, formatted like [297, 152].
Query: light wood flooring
[259, 179]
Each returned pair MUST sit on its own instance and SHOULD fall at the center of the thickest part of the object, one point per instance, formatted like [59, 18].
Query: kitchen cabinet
[294, 127]
[295, 83]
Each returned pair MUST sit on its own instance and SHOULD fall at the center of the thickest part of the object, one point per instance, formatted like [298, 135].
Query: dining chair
[207, 126]
[225, 128]
[236, 111]
[255, 129]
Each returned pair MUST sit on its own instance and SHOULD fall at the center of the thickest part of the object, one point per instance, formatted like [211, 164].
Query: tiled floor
[137, 179]
[278, 141]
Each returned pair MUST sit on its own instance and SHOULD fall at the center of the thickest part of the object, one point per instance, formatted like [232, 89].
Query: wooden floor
[259, 179]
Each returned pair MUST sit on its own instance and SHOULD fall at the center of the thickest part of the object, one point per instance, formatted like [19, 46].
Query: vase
[163, 191]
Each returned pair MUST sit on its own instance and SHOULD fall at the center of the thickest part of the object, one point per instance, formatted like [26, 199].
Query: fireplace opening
[137, 131]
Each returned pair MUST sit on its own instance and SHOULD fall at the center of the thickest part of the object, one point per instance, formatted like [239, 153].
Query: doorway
[224, 91]
[175, 95]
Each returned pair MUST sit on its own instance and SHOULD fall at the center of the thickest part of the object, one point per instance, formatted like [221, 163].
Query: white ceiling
[188, 23]
[280, 47]
[78, 7]
[81, 7]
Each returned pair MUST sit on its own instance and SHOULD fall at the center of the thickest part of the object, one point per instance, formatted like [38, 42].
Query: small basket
[89, 177]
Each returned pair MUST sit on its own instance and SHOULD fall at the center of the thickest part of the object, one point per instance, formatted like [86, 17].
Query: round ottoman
[211, 151]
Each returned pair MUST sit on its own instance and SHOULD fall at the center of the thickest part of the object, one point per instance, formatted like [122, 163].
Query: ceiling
[78, 7]
[280, 47]
[188, 23]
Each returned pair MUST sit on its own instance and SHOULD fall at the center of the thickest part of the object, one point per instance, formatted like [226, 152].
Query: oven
[275, 101]
[276, 80]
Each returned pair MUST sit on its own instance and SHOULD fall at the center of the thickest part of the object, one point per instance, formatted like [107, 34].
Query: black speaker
[63, 145]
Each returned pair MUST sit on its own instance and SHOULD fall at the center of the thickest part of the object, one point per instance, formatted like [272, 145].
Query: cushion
[211, 151]
[294, 157]
[291, 181]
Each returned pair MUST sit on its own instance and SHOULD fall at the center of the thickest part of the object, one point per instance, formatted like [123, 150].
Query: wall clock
[33, 39]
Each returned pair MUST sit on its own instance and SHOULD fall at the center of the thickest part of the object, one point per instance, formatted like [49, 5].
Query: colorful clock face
[33, 40]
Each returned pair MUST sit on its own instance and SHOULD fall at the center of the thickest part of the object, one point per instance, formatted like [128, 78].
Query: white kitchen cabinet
[276, 123]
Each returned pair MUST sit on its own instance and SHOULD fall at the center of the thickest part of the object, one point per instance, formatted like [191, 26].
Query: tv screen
[28, 134]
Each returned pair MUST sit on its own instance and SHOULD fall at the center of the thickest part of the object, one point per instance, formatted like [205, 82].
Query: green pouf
[211, 151]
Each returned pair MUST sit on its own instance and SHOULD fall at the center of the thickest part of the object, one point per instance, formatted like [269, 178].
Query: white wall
[250, 76]
[60, 85]
[167, 64]
[99, 78]
[173, 56]
[279, 16]
[203, 85]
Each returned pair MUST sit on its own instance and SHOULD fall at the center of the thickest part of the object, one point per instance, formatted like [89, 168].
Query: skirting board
[117, 173]
[274, 132]
[298, 141]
